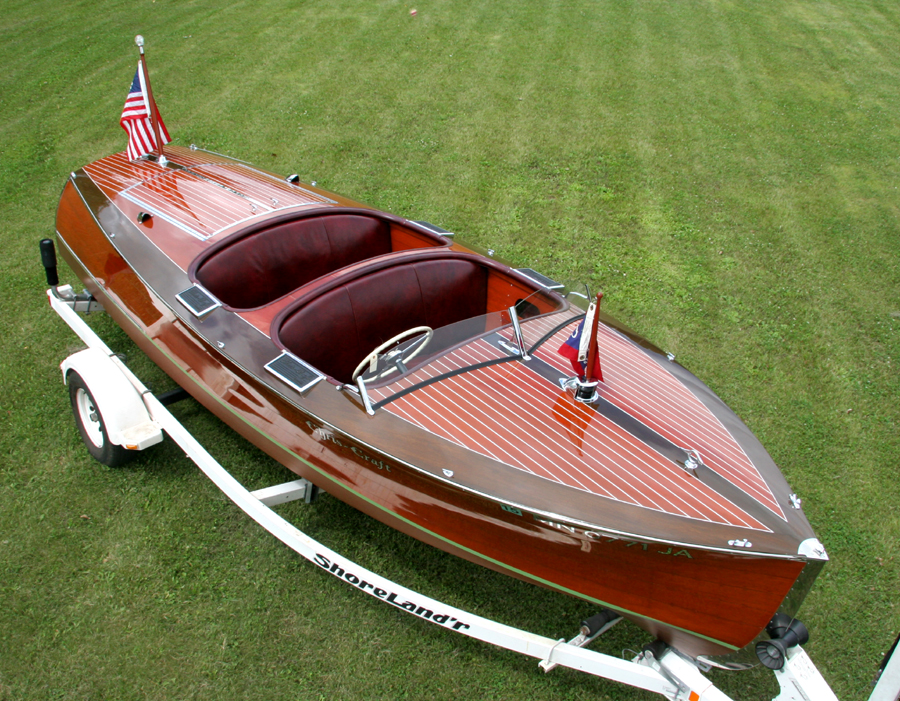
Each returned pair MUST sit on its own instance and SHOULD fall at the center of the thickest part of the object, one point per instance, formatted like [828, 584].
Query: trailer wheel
[90, 425]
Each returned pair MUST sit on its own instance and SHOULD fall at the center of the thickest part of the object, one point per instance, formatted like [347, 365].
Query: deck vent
[435, 229]
[294, 372]
[198, 301]
[542, 280]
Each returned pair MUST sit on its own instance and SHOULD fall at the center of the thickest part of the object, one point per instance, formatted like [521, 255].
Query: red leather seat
[335, 330]
[260, 266]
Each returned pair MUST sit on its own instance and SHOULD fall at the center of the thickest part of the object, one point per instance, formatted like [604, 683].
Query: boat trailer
[122, 414]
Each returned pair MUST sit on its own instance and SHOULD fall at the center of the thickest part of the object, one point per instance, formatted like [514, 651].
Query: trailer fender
[125, 416]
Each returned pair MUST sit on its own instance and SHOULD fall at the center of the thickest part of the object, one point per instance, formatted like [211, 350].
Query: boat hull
[704, 600]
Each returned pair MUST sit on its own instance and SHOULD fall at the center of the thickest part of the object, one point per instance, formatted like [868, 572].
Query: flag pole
[592, 348]
[154, 114]
[585, 386]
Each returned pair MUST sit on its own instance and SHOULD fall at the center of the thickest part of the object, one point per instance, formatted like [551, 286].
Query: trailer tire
[91, 426]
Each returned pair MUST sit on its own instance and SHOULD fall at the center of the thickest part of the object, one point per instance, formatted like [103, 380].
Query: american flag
[136, 120]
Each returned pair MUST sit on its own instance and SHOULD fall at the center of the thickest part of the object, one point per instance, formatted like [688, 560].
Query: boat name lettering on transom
[322, 435]
[389, 596]
[606, 538]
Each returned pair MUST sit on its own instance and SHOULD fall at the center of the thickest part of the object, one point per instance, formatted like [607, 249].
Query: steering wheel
[396, 355]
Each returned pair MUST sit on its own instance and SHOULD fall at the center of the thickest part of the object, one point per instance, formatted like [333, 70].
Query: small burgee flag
[577, 347]
[136, 120]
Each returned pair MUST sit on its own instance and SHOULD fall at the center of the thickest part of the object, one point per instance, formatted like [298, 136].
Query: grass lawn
[726, 171]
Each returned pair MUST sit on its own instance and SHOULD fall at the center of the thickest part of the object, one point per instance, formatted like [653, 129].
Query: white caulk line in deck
[248, 179]
[707, 504]
[456, 432]
[672, 484]
[208, 210]
[636, 389]
[459, 404]
[738, 523]
[610, 475]
[451, 392]
[418, 403]
[518, 417]
[492, 411]
[756, 486]
[737, 515]
[159, 212]
[710, 443]
[555, 446]
[716, 444]
[673, 418]
[688, 407]
[139, 191]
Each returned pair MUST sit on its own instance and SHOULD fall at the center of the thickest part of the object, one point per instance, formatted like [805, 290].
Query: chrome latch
[693, 461]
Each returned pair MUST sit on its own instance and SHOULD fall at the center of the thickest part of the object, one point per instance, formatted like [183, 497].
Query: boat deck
[506, 412]
[545, 433]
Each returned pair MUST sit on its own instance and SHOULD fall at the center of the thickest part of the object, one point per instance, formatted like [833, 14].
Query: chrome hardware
[584, 392]
[83, 303]
[693, 460]
[590, 630]
[812, 549]
[508, 347]
[293, 178]
[795, 501]
[435, 229]
[670, 357]
[541, 280]
[741, 543]
[520, 341]
[143, 216]
[220, 344]
[365, 396]
[490, 252]
[313, 183]
[447, 473]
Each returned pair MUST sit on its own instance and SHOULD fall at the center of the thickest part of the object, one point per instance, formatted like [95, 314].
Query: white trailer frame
[673, 675]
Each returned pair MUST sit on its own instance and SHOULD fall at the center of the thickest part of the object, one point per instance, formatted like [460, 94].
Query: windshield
[427, 356]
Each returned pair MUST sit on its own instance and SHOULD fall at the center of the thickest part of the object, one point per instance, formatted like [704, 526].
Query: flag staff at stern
[581, 350]
[140, 117]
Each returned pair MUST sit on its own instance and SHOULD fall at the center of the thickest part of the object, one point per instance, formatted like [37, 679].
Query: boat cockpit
[337, 326]
[358, 287]
[261, 264]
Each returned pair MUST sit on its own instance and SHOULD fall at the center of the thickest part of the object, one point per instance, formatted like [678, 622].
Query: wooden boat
[419, 381]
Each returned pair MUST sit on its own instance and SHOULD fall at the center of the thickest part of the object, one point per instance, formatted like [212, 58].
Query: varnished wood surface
[666, 566]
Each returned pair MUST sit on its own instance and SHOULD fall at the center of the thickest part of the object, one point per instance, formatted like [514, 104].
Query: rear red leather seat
[337, 329]
[262, 266]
